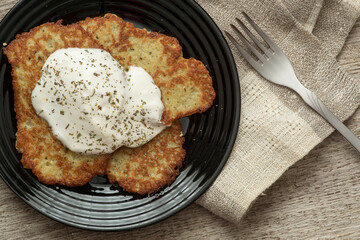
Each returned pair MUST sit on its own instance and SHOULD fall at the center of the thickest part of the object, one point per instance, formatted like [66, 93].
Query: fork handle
[313, 101]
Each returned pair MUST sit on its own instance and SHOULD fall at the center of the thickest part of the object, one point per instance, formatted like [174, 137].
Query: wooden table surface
[318, 197]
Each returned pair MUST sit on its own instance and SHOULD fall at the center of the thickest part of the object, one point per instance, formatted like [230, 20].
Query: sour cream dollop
[93, 105]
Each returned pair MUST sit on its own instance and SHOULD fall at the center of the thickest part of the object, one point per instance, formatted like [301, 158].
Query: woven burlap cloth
[276, 127]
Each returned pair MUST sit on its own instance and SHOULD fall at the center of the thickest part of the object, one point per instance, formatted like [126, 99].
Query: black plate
[209, 136]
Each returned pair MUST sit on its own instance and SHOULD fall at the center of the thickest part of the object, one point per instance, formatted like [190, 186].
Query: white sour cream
[93, 105]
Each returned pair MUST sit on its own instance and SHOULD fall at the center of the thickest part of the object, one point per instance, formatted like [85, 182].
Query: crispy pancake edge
[173, 50]
[142, 169]
[27, 142]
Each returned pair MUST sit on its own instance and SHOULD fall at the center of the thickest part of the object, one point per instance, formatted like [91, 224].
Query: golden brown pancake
[149, 168]
[41, 152]
[186, 88]
[185, 84]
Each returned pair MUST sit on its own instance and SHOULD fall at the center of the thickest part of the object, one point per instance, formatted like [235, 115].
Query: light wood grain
[317, 198]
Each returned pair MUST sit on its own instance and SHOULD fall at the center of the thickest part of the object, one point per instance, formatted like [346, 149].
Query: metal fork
[273, 65]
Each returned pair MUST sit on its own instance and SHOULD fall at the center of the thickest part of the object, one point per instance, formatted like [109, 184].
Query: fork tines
[261, 56]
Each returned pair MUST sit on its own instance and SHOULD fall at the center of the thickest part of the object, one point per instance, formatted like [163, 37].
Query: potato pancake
[151, 167]
[185, 84]
[46, 156]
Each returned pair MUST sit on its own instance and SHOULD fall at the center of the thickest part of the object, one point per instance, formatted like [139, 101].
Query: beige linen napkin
[277, 128]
